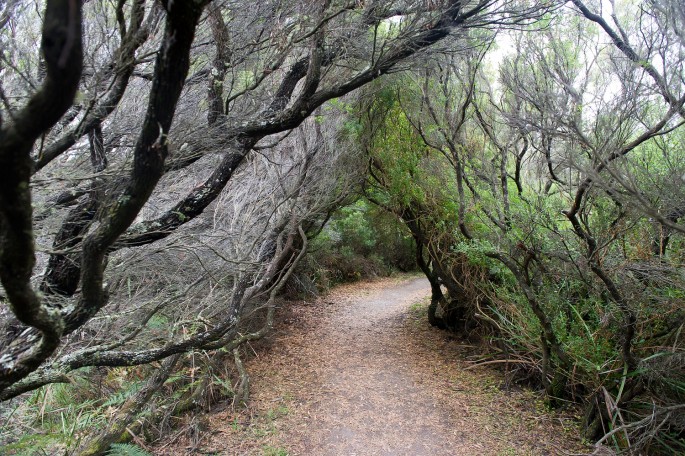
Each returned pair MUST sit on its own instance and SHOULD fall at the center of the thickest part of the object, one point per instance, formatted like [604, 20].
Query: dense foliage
[360, 241]
[544, 202]
[168, 167]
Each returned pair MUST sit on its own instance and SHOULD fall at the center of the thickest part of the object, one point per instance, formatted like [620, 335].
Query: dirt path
[359, 372]
[371, 402]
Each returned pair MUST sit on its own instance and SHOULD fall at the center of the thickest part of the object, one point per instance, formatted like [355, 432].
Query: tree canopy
[166, 165]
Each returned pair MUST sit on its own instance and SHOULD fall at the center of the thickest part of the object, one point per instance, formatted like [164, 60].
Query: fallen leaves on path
[360, 372]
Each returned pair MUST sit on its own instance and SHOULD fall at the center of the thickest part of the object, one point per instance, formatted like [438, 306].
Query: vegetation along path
[359, 372]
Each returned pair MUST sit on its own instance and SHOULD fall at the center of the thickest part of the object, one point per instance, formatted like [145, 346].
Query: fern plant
[127, 449]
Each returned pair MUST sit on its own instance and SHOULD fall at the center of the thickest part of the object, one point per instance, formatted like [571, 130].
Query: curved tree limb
[62, 49]
[123, 67]
[150, 153]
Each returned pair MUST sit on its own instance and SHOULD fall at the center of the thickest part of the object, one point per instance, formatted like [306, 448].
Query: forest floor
[360, 372]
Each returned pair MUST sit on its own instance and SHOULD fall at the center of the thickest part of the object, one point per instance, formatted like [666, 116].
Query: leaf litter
[360, 372]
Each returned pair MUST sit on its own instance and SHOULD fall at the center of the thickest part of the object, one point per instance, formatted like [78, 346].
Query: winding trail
[371, 402]
[359, 372]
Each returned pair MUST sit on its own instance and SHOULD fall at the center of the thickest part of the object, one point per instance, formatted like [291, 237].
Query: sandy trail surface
[360, 372]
